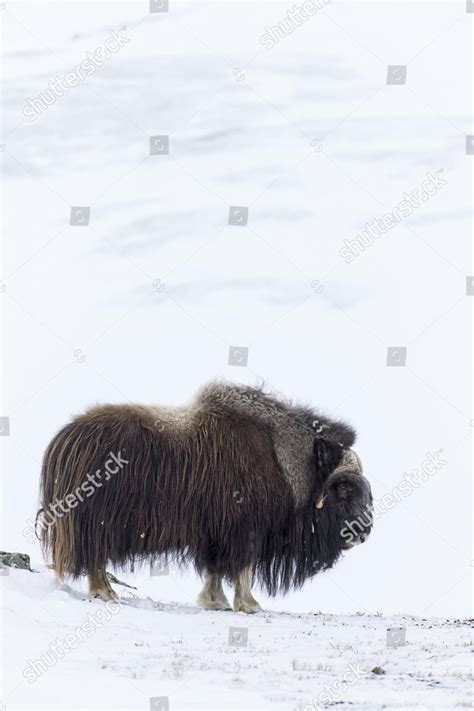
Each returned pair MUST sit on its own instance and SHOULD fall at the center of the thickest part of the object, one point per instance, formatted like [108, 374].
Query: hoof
[247, 606]
[106, 595]
[208, 603]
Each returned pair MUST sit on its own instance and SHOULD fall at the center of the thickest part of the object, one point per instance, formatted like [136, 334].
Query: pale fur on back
[293, 428]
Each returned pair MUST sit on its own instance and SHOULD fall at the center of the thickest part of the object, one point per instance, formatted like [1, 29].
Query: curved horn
[350, 462]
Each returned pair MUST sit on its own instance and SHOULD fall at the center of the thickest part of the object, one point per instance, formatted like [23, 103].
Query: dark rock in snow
[378, 670]
[15, 560]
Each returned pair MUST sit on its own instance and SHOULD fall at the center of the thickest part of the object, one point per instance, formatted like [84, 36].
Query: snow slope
[148, 649]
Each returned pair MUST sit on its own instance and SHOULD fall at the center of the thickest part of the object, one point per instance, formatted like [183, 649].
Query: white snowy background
[85, 320]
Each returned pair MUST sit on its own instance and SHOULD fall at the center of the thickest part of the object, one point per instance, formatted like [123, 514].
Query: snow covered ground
[144, 302]
[147, 649]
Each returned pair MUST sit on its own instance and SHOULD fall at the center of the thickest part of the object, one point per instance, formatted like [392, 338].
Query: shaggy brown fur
[201, 485]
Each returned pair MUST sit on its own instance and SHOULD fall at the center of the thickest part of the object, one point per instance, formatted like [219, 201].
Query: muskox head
[344, 498]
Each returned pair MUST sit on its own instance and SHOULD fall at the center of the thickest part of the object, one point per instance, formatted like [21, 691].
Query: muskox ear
[326, 456]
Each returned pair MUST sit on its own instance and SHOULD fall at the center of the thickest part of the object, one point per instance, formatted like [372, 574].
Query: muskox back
[126, 484]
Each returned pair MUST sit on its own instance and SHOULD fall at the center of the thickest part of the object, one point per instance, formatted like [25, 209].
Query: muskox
[241, 484]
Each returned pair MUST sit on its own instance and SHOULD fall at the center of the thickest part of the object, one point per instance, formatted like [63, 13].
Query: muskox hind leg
[244, 601]
[212, 596]
[100, 587]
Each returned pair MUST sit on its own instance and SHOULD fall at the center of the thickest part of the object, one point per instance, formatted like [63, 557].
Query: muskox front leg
[99, 586]
[212, 596]
[244, 601]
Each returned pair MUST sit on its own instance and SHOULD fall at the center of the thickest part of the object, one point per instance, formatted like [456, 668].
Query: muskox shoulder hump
[119, 412]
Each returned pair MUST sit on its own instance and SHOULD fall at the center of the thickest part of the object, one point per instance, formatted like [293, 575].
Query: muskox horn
[320, 502]
[350, 462]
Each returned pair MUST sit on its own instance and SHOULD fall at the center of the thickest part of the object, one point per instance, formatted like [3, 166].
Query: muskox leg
[244, 601]
[100, 587]
[212, 595]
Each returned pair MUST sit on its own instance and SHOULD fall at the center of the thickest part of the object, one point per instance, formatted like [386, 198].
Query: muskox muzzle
[347, 494]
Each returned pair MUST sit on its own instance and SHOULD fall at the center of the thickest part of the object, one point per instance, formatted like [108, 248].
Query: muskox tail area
[55, 528]
[84, 508]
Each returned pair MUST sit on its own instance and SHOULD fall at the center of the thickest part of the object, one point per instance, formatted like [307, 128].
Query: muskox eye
[343, 491]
